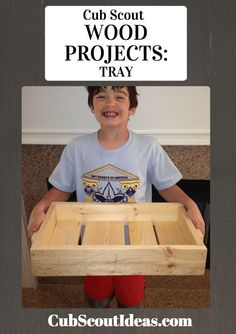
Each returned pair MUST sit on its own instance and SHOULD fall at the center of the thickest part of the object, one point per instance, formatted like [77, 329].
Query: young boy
[114, 165]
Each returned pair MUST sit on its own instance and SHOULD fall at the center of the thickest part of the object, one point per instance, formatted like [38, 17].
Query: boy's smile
[110, 114]
[111, 107]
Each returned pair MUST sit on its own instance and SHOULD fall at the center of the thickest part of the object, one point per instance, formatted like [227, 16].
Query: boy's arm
[39, 211]
[175, 194]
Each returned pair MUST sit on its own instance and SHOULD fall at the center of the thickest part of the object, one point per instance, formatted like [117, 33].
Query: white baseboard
[62, 137]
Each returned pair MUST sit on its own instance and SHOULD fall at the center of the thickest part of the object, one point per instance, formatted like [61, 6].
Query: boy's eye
[120, 97]
[100, 97]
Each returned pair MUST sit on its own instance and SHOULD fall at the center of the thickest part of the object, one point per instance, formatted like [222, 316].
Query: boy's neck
[112, 138]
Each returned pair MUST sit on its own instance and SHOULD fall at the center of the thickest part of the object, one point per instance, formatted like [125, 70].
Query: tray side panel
[44, 234]
[158, 211]
[122, 260]
[187, 224]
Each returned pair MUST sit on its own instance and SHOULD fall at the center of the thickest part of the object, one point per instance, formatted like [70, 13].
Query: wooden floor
[160, 292]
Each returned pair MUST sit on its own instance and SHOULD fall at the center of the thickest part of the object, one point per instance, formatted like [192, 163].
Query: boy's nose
[110, 100]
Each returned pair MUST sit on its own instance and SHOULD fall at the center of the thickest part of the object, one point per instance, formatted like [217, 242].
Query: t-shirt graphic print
[110, 184]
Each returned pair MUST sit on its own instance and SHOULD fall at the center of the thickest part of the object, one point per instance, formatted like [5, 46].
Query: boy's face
[111, 107]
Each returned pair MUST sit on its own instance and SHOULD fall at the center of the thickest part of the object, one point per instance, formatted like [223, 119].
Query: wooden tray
[79, 239]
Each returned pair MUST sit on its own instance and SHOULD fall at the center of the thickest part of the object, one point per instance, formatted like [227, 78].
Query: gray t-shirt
[123, 175]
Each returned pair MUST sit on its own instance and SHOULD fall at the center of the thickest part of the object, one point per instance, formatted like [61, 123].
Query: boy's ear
[132, 111]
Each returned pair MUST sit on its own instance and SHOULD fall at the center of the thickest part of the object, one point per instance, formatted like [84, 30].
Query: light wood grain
[142, 233]
[104, 233]
[127, 211]
[55, 250]
[44, 234]
[173, 233]
[119, 260]
[66, 233]
[188, 225]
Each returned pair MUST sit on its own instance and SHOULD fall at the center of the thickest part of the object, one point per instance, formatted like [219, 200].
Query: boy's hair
[93, 90]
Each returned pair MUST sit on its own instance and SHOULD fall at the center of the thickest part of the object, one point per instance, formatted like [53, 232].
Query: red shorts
[129, 290]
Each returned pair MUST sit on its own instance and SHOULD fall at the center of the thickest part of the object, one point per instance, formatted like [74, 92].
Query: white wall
[175, 115]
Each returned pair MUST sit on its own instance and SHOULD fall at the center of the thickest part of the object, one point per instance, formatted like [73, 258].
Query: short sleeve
[63, 176]
[163, 172]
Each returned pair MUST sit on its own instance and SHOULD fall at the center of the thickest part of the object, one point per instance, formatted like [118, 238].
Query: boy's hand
[195, 215]
[40, 209]
[36, 219]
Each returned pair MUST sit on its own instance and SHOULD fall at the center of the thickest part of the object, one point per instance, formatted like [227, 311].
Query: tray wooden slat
[172, 233]
[141, 233]
[66, 233]
[104, 233]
